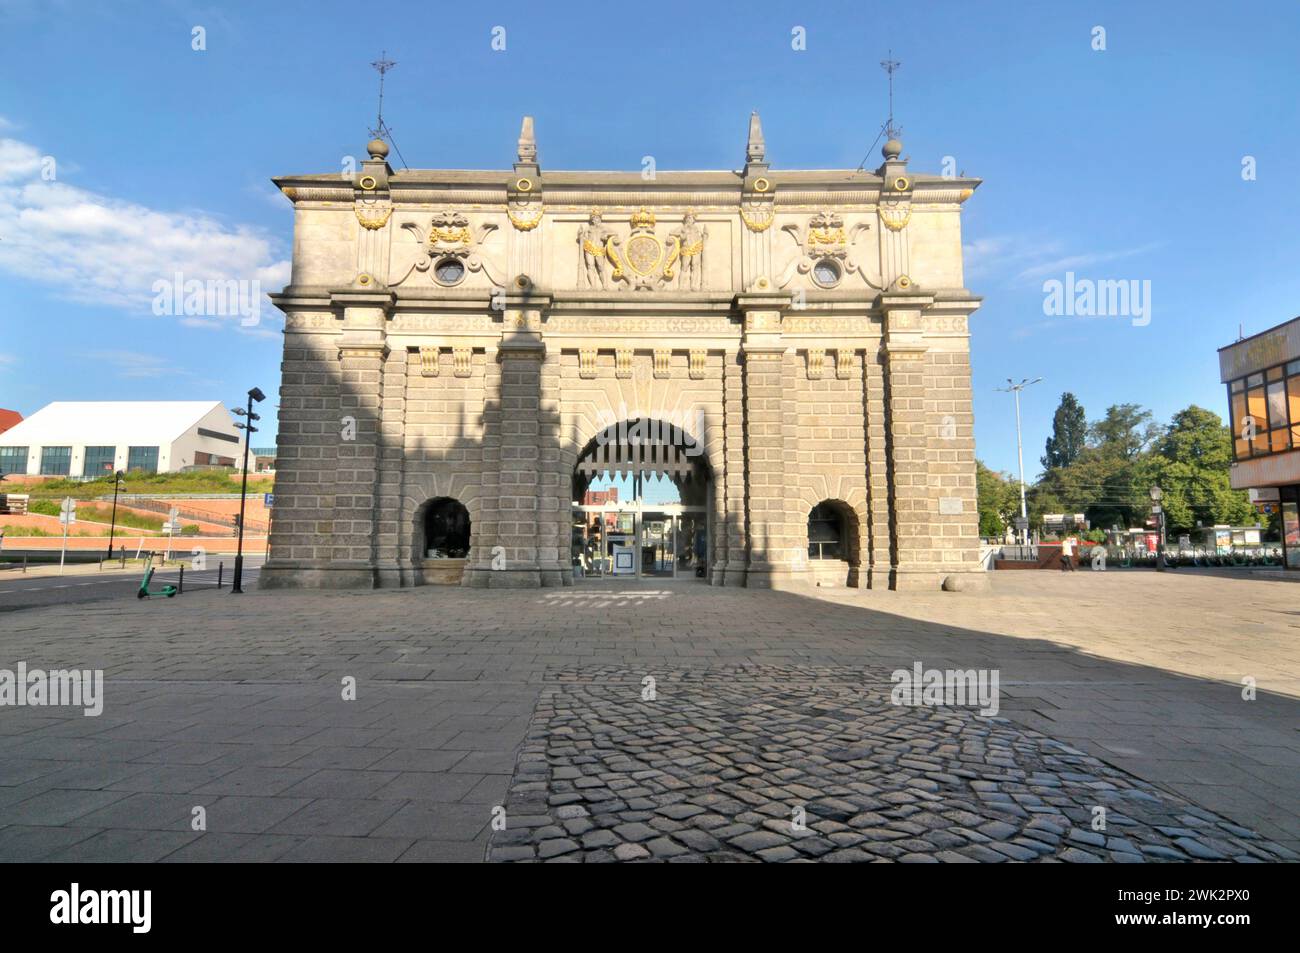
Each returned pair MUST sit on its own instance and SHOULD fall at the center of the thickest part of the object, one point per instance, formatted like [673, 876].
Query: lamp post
[1014, 388]
[253, 395]
[117, 485]
[1158, 511]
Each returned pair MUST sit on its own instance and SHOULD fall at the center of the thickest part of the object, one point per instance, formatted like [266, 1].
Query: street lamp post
[253, 395]
[117, 485]
[1015, 389]
[1158, 512]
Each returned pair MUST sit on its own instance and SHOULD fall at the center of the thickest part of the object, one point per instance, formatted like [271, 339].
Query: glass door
[658, 544]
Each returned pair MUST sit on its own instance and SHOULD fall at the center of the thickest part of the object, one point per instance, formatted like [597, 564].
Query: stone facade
[468, 335]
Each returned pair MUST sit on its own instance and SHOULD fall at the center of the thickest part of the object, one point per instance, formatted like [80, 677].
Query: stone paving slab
[233, 704]
[789, 763]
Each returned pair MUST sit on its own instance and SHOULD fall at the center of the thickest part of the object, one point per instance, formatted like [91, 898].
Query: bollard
[180, 584]
[24, 562]
[220, 568]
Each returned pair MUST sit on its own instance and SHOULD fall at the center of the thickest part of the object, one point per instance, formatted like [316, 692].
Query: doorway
[641, 505]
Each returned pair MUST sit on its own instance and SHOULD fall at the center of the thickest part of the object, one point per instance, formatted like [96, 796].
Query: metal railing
[1027, 553]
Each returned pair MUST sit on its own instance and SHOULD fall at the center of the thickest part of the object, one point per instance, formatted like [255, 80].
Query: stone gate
[460, 338]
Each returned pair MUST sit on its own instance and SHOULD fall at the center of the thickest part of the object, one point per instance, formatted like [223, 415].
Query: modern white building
[92, 438]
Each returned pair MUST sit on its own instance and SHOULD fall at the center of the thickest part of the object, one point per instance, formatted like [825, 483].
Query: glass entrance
[641, 504]
[658, 544]
[631, 540]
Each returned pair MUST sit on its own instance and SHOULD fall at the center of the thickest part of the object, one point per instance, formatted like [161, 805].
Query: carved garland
[373, 219]
[525, 224]
[758, 224]
[895, 219]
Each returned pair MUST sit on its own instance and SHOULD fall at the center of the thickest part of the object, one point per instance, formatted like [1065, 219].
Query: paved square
[1119, 690]
[780, 763]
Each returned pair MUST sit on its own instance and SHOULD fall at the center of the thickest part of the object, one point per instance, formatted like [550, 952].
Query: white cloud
[1058, 266]
[998, 254]
[135, 365]
[1027, 259]
[95, 249]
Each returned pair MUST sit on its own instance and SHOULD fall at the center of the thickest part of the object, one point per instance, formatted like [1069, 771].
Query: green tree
[998, 498]
[1101, 483]
[1069, 433]
[1191, 462]
[1126, 431]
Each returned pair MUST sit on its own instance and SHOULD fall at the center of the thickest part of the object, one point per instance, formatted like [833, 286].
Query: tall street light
[117, 485]
[1158, 511]
[1014, 388]
[253, 395]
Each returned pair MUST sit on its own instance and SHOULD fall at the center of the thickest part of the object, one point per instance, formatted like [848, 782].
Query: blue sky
[1119, 164]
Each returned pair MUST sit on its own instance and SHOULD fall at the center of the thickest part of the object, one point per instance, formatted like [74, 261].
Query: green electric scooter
[143, 592]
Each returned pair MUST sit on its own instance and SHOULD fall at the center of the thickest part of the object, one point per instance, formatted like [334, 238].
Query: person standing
[1067, 554]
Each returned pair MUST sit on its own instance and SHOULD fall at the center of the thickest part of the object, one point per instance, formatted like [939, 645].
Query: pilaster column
[392, 544]
[905, 352]
[362, 353]
[877, 556]
[730, 553]
[774, 549]
[522, 552]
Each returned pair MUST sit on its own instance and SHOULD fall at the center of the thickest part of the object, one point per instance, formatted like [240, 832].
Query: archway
[642, 503]
[442, 540]
[833, 544]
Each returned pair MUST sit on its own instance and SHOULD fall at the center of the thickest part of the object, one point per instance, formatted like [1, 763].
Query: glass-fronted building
[1262, 374]
[89, 439]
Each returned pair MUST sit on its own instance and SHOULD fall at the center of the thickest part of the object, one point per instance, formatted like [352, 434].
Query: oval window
[449, 271]
[826, 273]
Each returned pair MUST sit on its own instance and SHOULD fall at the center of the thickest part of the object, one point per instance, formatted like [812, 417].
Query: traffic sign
[268, 500]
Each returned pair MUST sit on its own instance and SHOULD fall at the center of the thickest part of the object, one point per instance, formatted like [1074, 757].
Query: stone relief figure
[593, 242]
[689, 239]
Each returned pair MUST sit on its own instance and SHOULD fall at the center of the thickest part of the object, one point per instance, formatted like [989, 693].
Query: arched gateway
[642, 503]
[481, 337]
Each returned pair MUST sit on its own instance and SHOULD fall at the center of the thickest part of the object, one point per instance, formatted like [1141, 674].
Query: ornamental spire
[755, 148]
[527, 142]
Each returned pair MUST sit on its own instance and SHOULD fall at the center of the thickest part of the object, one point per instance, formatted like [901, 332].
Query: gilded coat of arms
[643, 260]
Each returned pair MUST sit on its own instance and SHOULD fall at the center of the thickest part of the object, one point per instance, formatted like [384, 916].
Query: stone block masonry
[467, 339]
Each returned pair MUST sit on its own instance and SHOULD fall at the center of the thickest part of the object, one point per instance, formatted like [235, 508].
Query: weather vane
[382, 130]
[382, 66]
[891, 66]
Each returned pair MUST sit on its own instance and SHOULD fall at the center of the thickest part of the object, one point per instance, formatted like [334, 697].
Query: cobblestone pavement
[783, 763]
[233, 704]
